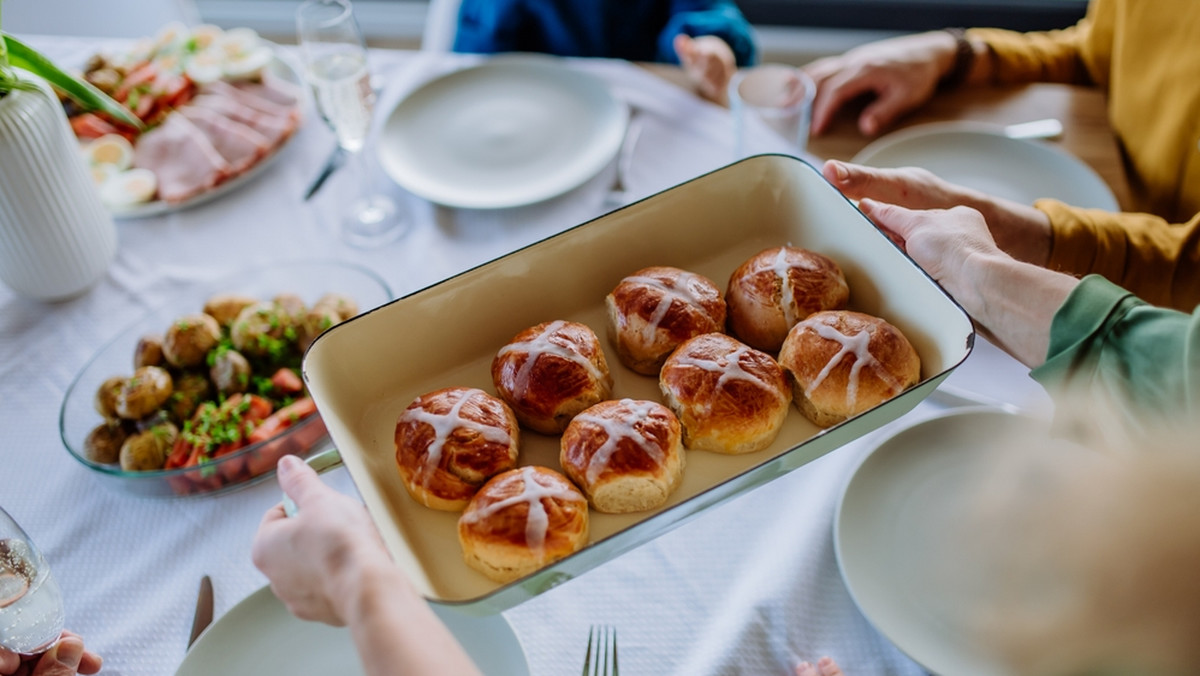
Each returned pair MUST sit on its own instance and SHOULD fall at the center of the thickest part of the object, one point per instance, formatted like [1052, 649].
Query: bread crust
[522, 520]
[729, 397]
[655, 309]
[449, 442]
[550, 372]
[778, 287]
[626, 455]
[843, 363]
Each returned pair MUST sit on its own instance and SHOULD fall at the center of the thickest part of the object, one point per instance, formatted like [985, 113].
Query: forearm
[394, 629]
[1015, 303]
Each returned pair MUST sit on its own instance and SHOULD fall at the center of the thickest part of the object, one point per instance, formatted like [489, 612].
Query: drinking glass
[774, 96]
[31, 605]
[335, 64]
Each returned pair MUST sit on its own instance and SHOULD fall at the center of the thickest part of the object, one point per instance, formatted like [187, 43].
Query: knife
[336, 159]
[204, 610]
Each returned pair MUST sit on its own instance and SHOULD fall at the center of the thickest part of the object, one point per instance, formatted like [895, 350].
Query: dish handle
[322, 462]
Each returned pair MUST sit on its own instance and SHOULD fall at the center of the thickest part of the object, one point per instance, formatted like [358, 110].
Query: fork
[602, 661]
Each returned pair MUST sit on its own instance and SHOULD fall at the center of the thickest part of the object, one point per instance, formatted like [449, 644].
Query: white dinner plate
[980, 156]
[259, 636]
[513, 131]
[280, 68]
[900, 500]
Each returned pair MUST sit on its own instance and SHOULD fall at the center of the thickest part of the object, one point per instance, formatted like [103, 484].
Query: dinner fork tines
[601, 656]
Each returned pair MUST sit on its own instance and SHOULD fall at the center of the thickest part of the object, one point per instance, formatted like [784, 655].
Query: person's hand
[902, 73]
[315, 558]
[1020, 230]
[709, 63]
[67, 657]
[824, 667]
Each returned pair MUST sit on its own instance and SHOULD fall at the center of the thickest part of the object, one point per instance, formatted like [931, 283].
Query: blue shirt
[636, 30]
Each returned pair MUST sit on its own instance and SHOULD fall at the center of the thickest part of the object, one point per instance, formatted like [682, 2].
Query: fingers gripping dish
[778, 287]
[522, 520]
[843, 363]
[450, 442]
[550, 372]
[730, 398]
[655, 309]
[626, 455]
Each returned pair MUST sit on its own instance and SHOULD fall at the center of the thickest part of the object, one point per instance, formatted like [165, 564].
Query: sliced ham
[181, 157]
[273, 127]
[274, 89]
[240, 145]
[252, 100]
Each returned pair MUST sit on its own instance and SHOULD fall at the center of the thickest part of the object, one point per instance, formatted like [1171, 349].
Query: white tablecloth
[745, 589]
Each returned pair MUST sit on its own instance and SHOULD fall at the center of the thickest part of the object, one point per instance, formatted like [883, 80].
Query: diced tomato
[141, 75]
[90, 125]
[180, 453]
[286, 381]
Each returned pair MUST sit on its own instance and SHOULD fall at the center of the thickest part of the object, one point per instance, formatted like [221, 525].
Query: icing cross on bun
[626, 455]
[550, 372]
[450, 441]
[730, 398]
[522, 520]
[778, 287]
[655, 309]
[843, 363]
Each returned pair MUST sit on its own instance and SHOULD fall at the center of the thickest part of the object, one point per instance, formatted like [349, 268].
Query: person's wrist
[960, 60]
[358, 588]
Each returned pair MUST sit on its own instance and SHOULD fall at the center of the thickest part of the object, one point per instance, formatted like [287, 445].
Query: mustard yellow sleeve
[1080, 54]
[1143, 253]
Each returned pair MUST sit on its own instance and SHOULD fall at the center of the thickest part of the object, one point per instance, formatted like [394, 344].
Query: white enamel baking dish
[364, 372]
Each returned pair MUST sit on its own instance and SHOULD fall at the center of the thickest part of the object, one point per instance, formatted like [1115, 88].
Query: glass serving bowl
[252, 463]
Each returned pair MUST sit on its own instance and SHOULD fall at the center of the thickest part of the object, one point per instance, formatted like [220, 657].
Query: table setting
[419, 208]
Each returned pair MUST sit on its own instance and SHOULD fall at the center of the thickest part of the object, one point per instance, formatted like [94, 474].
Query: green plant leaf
[83, 93]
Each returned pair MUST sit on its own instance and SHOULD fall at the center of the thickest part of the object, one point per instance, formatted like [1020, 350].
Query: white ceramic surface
[979, 155]
[515, 130]
[890, 526]
[259, 636]
[56, 238]
[282, 69]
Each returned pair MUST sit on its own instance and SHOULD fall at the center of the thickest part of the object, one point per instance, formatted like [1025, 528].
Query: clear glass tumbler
[31, 604]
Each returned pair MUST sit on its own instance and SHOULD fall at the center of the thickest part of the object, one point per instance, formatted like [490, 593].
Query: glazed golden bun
[450, 442]
[626, 455]
[729, 397]
[550, 372]
[778, 287]
[843, 363]
[522, 520]
[655, 309]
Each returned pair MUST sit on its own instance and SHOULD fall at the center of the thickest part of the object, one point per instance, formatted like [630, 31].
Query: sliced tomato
[91, 125]
[286, 381]
[138, 76]
[283, 418]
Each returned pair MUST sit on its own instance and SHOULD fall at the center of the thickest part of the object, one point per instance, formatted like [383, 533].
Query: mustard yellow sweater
[1145, 54]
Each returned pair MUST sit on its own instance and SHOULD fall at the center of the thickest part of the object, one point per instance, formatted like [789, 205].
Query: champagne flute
[31, 604]
[335, 59]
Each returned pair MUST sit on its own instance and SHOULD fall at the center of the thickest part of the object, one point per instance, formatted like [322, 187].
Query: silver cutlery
[601, 657]
[1048, 128]
[336, 159]
[618, 194]
[204, 610]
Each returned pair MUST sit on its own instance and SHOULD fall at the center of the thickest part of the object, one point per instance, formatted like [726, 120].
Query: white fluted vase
[56, 237]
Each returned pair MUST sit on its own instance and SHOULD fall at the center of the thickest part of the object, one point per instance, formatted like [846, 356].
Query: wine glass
[335, 60]
[31, 604]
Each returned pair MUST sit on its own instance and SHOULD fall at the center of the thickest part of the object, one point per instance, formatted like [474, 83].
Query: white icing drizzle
[539, 345]
[444, 424]
[730, 368]
[680, 290]
[857, 345]
[538, 521]
[787, 298]
[624, 426]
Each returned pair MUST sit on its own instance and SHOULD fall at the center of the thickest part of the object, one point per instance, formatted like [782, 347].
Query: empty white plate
[890, 520]
[513, 131]
[979, 155]
[259, 636]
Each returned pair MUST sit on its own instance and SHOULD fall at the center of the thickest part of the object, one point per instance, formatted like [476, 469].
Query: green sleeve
[1105, 339]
